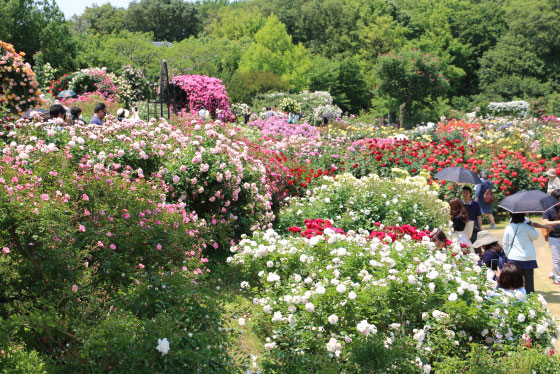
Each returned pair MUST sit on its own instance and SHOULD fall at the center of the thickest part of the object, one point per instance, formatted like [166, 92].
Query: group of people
[516, 259]
[73, 115]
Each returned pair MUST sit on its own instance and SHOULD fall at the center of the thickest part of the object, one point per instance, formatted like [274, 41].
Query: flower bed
[336, 301]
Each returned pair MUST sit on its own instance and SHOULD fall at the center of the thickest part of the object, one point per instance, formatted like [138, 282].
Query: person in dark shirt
[552, 217]
[473, 210]
[492, 249]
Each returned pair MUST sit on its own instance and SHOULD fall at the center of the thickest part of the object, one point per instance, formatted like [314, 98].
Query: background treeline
[366, 53]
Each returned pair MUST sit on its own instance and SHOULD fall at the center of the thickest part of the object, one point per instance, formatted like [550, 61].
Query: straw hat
[484, 238]
[551, 172]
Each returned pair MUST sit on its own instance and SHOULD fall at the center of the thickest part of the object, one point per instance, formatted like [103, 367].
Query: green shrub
[352, 203]
[15, 359]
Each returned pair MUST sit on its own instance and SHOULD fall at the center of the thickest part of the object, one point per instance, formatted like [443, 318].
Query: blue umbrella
[67, 93]
[459, 175]
[533, 201]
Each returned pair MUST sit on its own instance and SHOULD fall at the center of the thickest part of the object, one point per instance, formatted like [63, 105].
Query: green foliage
[272, 50]
[15, 359]
[411, 78]
[524, 61]
[243, 87]
[480, 360]
[168, 20]
[39, 25]
[101, 19]
[237, 23]
[351, 204]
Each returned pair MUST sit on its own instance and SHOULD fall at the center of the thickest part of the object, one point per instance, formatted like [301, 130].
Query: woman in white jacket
[518, 246]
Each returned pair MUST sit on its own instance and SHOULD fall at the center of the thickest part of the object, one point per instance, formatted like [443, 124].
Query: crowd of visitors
[73, 115]
[512, 264]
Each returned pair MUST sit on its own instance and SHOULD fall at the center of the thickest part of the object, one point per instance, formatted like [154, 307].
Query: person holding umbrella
[480, 190]
[518, 245]
[552, 218]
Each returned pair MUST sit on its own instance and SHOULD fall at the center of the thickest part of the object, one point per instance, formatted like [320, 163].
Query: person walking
[552, 218]
[518, 246]
[480, 190]
[473, 209]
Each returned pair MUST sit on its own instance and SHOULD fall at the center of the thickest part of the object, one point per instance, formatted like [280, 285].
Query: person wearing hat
[492, 250]
[518, 244]
[553, 181]
[122, 114]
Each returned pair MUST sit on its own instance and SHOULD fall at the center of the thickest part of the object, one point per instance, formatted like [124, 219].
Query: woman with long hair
[460, 218]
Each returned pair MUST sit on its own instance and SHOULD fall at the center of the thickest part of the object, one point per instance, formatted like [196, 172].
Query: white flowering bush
[344, 303]
[352, 203]
[517, 109]
[329, 111]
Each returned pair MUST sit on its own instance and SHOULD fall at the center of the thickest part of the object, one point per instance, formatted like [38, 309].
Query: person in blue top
[479, 191]
[518, 245]
[99, 112]
[473, 209]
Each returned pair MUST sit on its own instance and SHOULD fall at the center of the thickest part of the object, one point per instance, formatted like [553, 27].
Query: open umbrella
[66, 93]
[459, 175]
[533, 201]
[38, 110]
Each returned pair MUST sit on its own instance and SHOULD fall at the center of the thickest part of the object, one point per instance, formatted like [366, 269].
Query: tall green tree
[273, 51]
[39, 25]
[101, 19]
[524, 63]
[237, 22]
[410, 79]
[168, 20]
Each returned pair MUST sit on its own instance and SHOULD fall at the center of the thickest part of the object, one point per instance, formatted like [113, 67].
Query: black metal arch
[166, 97]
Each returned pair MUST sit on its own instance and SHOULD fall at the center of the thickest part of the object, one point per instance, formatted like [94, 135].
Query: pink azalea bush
[279, 127]
[204, 91]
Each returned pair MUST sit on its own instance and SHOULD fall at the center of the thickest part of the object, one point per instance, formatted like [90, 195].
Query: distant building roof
[159, 44]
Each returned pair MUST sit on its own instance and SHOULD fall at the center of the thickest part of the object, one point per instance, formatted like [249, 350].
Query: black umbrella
[38, 110]
[533, 201]
[459, 175]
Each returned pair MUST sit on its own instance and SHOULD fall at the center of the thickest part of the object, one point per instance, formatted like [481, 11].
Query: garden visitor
[122, 114]
[492, 250]
[246, 114]
[473, 209]
[76, 113]
[460, 217]
[518, 245]
[553, 181]
[552, 218]
[439, 239]
[269, 113]
[58, 111]
[480, 190]
[203, 113]
[510, 279]
[99, 112]
[135, 117]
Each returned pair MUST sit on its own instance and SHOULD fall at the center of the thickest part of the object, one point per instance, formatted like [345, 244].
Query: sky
[71, 7]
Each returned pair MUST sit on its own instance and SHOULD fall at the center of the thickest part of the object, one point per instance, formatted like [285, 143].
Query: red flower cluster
[397, 232]
[315, 227]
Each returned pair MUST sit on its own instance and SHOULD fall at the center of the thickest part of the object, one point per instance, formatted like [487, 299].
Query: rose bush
[353, 203]
[19, 87]
[343, 302]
